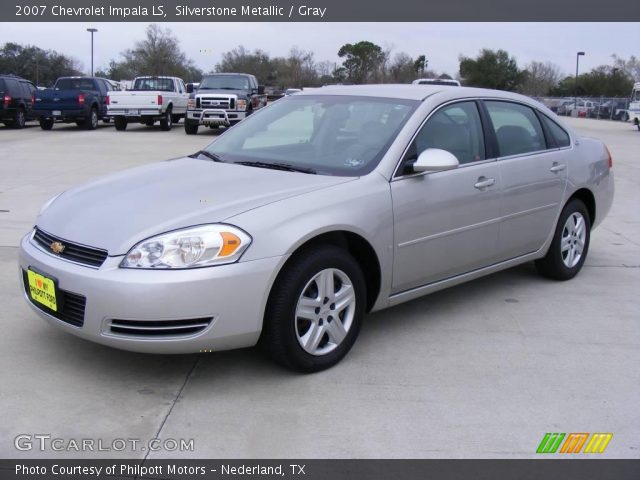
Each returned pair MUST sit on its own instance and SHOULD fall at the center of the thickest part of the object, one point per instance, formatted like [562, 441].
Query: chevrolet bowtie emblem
[57, 247]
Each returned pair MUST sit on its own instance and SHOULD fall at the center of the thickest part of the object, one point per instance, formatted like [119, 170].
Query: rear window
[148, 84]
[557, 132]
[9, 85]
[75, 84]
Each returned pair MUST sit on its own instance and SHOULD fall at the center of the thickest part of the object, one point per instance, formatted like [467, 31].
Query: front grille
[70, 305]
[159, 328]
[217, 102]
[74, 252]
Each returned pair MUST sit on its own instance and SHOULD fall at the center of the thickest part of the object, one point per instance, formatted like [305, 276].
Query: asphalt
[482, 370]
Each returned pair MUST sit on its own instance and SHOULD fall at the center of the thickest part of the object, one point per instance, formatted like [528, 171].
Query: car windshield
[225, 82]
[328, 134]
[149, 84]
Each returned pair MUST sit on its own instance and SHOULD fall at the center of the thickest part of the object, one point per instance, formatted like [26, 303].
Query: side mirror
[435, 160]
[260, 89]
[189, 87]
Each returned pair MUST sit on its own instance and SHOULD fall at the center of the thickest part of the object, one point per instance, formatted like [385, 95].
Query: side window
[517, 127]
[13, 87]
[456, 128]
[25, 90]
[557, 132]
[107, 85]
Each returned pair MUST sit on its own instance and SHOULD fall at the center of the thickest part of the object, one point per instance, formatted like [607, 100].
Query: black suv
[16, 97]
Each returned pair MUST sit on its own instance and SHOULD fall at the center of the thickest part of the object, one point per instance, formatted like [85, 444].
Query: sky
[442, 43]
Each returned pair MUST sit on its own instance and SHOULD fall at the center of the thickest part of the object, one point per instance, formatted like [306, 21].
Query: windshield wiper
[213, 156]
[279, 166]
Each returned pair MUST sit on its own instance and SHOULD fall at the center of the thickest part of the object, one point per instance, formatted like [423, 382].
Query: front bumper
[232, 297]
[215, 116]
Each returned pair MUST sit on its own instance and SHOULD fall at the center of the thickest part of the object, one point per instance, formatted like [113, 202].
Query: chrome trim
[58, 257]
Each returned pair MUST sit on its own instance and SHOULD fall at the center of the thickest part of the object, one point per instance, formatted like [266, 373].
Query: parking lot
[482, 370]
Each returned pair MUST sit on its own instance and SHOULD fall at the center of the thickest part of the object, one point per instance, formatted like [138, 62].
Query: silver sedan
[326, 205]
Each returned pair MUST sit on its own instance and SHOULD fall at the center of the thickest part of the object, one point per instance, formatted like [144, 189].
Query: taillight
[33, 99]
[159, 99]
[108, 101]
[609, 155]
[81, 99]
[7, 100]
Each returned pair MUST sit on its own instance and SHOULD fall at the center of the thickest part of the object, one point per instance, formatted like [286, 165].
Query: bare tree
[540, 78]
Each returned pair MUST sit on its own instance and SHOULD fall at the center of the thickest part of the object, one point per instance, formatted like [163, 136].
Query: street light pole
[575, 93]
[92, 31]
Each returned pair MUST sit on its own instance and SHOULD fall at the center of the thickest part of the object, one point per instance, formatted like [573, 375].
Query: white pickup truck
[150, 99]
[634, 105]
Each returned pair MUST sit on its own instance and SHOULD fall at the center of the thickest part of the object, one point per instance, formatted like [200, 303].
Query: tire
[20, 119]
[288, 337]
[120, 123]
[91, 122]
[190, 128]
[570, 240]
[167, 122]
[46, 123]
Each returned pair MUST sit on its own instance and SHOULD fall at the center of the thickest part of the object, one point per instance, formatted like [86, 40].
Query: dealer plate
[42, 289]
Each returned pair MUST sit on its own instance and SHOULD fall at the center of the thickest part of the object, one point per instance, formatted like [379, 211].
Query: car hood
[119, 210]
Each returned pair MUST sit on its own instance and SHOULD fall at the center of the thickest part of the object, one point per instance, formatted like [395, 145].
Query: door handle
[484, 182]
[557, 167]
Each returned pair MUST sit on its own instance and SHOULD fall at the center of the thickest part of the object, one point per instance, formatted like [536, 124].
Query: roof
[410, 92]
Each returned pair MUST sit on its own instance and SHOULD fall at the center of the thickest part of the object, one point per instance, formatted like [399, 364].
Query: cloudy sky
[441, 42]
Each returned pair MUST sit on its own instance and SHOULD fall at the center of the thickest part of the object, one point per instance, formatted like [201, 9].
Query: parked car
[437, 81]
[16, 95]
[611, 109]
[82, 100]
[151, 99]
[565, 107]
[327, 204]
[291, 91]
[633, 114]
[223, 99]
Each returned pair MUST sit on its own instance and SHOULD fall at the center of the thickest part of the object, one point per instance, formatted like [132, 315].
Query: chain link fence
[604, 108]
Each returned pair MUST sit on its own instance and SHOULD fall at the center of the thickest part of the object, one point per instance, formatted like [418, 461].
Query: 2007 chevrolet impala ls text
[323, 206]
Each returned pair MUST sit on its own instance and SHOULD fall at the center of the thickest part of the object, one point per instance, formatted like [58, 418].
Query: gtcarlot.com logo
[46, 442]
[574, 442]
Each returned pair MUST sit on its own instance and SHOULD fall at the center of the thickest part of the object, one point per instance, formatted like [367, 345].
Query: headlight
[192, 247]
[241, 104]
[48, 203]
[191, 103]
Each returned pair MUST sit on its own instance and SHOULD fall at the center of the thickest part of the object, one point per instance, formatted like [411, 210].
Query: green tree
[362, 61]
[158, 54]
[491, 69]
[420, 65]
[40, 66]
[602, 81]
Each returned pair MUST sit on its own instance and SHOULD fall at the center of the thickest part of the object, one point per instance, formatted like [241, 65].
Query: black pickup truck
[82, 100]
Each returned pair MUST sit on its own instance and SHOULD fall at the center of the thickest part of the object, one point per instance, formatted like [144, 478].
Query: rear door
[446, 223]
[533, 172]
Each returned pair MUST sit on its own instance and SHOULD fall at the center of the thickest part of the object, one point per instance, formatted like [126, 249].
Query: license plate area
[43, 289]
[56, 113]
[133, 111]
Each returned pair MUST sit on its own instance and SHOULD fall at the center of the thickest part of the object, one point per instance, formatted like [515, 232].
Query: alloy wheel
[574, 236]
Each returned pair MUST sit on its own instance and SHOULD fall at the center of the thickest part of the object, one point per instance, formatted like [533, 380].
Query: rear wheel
[570, 243]
[167, 122]
[315, 310]
[46, 123]
[20, 118]
[91, 122]
[120, 123]
[190, 128]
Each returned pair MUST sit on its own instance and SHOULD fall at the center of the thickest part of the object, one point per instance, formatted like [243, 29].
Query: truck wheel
[20, 119]
[167, 122]
[121, 123]
[91, 123]
[190, 128]
[46, 123]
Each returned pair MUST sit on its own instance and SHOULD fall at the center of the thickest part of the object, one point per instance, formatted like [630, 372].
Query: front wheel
[570, 243]
[315, 310]
[120, 123]
[190, 128]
